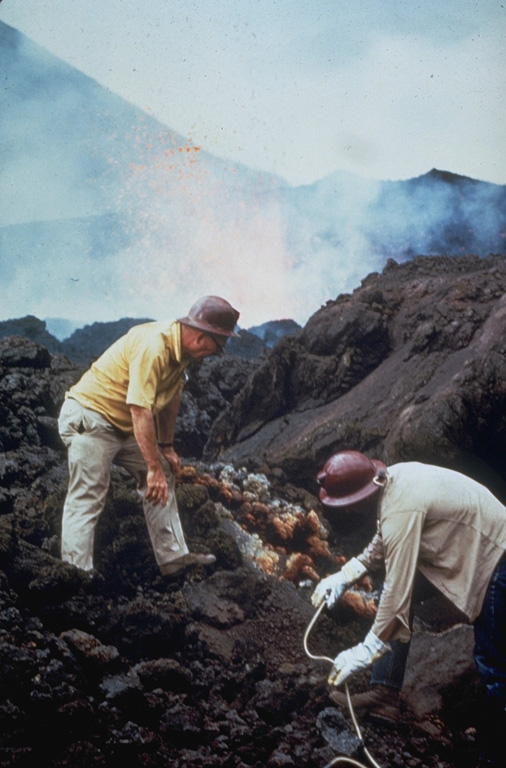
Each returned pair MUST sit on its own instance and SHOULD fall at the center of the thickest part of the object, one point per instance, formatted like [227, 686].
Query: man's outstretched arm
[145, 434]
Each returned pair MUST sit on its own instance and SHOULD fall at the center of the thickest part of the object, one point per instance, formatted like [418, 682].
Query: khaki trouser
[93, 445]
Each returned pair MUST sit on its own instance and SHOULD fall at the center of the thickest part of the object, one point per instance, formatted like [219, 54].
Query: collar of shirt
[175, 341]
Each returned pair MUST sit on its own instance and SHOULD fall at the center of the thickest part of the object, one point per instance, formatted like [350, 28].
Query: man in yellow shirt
[123, 410]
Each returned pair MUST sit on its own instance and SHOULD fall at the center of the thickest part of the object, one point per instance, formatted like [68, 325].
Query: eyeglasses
[219, 342]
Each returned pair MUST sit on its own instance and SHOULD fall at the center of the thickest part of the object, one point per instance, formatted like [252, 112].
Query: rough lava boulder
[412, 365]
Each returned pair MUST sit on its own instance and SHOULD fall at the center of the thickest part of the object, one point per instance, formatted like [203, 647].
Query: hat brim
[353, 498]
[201, 325]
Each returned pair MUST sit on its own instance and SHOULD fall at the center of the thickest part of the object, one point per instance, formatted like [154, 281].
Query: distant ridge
[87, 343]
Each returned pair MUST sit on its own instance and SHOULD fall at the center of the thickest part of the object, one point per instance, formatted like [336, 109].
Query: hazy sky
[385, 88]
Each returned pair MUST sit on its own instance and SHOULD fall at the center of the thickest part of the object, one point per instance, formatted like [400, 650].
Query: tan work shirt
[144, 367]
[446, 525]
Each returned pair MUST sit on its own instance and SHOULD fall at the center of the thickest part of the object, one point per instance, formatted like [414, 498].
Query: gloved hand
[358, 657]
[332, 587]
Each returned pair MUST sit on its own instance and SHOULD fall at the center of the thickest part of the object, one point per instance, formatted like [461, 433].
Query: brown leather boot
[191, 560]
[380, 703]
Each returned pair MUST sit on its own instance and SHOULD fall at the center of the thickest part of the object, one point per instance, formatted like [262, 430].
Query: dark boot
[380, 703]
[191, 560]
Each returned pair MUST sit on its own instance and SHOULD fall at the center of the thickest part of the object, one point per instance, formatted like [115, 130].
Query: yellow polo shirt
[144, 367]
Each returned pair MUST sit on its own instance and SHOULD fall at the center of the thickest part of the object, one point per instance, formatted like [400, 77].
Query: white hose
[348, 698]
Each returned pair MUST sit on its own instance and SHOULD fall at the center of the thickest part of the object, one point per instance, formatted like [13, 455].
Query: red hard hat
[348, 477]
[212, 314]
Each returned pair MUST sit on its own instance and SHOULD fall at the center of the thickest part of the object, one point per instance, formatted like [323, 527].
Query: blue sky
[384, 88]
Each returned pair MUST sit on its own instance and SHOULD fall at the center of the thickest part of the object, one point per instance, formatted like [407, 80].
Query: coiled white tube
[337, 760]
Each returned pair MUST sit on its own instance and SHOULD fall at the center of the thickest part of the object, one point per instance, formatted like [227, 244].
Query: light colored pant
[93, 445]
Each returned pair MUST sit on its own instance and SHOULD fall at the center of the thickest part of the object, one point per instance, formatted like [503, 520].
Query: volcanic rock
[412, 365]
[126, 666]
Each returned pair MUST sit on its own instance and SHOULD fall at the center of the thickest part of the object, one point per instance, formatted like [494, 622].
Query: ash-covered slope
[412, 365]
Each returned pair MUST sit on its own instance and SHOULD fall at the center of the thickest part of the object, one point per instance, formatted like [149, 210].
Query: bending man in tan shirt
[123, 410]
[445, 526]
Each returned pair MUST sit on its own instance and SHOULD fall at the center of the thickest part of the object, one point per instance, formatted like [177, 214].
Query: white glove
[358, 657]
[332, 587]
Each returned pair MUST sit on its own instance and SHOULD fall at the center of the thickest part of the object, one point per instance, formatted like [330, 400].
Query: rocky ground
[131, 668]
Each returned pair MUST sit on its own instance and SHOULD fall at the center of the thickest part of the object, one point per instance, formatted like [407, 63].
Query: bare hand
[157, 490]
